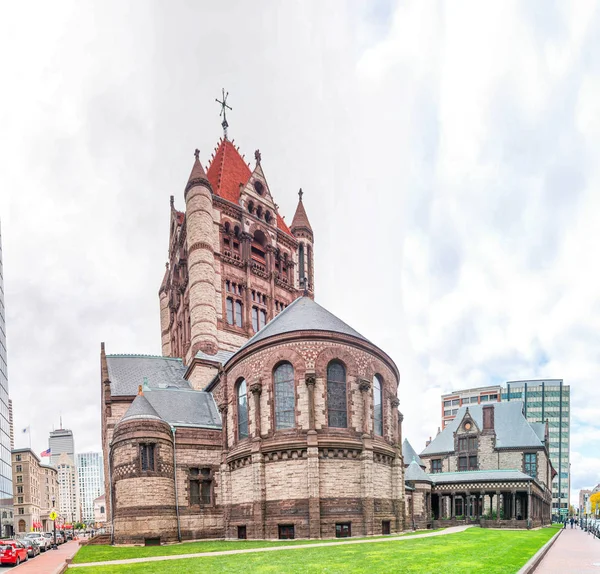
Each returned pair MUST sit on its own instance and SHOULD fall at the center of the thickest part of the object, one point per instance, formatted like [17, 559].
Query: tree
[595, 501]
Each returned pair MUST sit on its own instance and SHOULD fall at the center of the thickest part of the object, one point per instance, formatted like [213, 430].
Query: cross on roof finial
[223, 112]
[300, 194]
[257, 156]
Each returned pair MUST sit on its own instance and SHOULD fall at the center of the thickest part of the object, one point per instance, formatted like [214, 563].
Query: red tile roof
[227, 170]
[281, 225]
[225, 173]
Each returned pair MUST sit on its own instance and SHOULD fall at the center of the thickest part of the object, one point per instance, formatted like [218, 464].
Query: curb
[535, 560]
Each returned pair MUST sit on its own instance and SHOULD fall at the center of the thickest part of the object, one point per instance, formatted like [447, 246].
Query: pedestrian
[572, 520]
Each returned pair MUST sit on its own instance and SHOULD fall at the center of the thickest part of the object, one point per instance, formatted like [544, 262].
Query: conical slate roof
[197, 170]
[141, 408]
[300, 218]
[415, 473]
[303, 315]
[409, 454]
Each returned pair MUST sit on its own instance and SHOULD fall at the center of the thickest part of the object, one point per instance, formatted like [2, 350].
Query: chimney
[427, 442]
[488, 418]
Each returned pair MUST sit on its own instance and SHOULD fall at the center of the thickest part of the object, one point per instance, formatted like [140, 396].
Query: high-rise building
[547, 399]
[68, 489]
[6, 486]
[91, 483]
[61, 441]
[62, 457]
[36, 491]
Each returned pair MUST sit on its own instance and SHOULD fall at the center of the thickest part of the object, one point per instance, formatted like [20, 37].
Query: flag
[26, 430]
[45, 453]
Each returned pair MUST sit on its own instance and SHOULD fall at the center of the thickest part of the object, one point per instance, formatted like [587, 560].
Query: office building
[61, 441]
[68, 489]
[547, 399]
[6, 486]
[36, 492]
[90, 471]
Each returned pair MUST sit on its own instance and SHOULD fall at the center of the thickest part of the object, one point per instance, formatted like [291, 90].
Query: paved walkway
[451, 530]
[50, 561]
[575, 551]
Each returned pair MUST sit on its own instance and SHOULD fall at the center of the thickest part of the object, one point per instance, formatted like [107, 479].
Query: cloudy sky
[448, 154]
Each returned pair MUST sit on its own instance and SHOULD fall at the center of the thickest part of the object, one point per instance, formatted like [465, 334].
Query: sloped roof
[127, 372]
[540, 430]
[409, 453]
[513, 430]
[282, 225]
[219, 357]
[227, 170]
[185, 407]
[300, 217]
[197, 171]
[415, 473]
[478, 475]
[141, 409]
[303, 314]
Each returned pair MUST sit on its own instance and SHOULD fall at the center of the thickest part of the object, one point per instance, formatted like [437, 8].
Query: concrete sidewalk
[451, 530]
[575, 551]
[51, 561]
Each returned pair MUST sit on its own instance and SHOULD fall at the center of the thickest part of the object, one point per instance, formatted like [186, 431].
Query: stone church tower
[234, 264]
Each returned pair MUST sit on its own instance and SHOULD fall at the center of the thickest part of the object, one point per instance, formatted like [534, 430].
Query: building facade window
[301, 263]
[19, 468]
[242, 410]
[466, 463]
[467, 443]
[531, 464]
[342, 530]
[286, 531]
[229, 305]
[377, 406]
[255, 319]
[283, 380]
[238, 314]
[147, 456]
[336, 395]
[436, 465]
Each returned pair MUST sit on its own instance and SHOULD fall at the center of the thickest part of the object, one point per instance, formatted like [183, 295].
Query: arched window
[301, 263]
[258, 246]
[102, 510]
[21, 526]
[336, 395]
[242, 410]
[377, 405]
[283, 380]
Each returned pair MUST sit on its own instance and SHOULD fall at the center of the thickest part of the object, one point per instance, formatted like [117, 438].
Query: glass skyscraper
[549, 399]
[91, 482]
[6, 487]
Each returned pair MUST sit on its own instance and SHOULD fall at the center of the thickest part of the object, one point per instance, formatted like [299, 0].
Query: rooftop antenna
[223, 112]
[61, 421]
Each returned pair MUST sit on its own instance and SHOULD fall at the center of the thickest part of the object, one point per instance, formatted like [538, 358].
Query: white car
[41, 540]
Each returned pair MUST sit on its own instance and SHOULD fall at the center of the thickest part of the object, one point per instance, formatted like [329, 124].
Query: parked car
[32, 547]
[12, 552]
[60, 539]
[42, 541]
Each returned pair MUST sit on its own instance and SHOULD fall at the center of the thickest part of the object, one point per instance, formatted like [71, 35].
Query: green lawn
[100, 553]
[475, 551]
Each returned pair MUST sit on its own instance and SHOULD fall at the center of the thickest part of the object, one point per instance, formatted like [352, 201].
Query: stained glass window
[336, 395]
[284, 396]
[377, 406]
[242, 401]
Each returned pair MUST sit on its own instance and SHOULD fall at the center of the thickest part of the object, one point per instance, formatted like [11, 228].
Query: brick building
[489, 465]
[36, 491]
[263, 401]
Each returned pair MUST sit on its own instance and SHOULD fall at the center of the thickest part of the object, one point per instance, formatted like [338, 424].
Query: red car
[12, 552]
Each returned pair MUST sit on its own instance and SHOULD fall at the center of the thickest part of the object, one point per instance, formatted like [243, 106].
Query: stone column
[224, 439]
[498, 496]
[514, 506]
[468, 510]
[311, 381]
[256, 390]
[394, 403]
[365, 387]
[453, 505]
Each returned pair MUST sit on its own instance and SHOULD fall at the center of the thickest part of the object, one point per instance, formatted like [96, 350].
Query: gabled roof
[219, 357]
[281, 225]
[415, 473]
[127, 372]
[409, 453]
[303, 314]
[140, 409]
[512, 429]
[300, 218]
[226, 171]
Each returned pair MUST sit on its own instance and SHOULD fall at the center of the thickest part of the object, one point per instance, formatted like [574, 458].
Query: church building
[266, 416]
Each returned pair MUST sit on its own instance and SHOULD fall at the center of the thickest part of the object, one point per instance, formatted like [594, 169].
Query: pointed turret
[300, 220]
[197, 175]
[303, 232]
